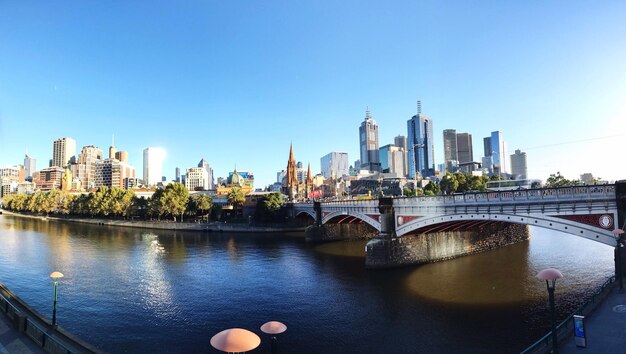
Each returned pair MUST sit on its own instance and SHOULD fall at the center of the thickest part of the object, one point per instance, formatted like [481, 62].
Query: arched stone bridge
[591, 212]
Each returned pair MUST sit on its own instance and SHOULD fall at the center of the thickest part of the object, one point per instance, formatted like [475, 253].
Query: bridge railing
[547, 194]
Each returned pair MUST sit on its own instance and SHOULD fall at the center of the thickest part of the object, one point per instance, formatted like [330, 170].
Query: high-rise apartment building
[368, 139]
[421, 146]
[519, 167]
[205, 164]
[335, 164]
[63, 152]
[30, 166]
[197, 178]
[153, 165]
[392, 159]
[177, 174]
[464, 147]
[401, 141]
[85, 168]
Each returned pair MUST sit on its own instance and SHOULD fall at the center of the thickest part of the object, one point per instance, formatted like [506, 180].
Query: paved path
[605, 328]
[13, 342]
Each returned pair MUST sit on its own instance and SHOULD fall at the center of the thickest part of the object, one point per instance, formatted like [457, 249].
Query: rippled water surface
[140, 291]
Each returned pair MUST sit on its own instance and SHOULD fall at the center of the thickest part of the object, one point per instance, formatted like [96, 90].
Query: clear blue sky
[236, 81]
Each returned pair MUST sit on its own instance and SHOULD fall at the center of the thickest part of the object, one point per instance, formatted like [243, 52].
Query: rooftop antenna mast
[419, 107]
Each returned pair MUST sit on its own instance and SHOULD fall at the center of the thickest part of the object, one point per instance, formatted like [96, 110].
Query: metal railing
[34, 326]
[565, 328]
[523, 195]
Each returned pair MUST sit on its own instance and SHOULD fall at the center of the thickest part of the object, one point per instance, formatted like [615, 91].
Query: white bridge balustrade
[591, 212]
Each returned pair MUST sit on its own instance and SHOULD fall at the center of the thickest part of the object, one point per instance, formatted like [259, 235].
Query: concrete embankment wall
[168, 225]
[337, 232]
[25, 319]
[439, 246]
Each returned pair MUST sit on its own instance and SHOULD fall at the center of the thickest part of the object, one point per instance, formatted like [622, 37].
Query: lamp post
[55, 276]
[273, 328]
[550, 275]
[235, 340]
[618, 258]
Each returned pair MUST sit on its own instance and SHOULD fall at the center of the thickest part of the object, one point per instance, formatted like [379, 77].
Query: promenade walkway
[605, 328]
[13, 342]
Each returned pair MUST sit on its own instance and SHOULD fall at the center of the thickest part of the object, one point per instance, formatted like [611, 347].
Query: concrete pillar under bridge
[414, 249]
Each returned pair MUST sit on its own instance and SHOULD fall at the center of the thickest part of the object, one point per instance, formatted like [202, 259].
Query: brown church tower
[291, 180]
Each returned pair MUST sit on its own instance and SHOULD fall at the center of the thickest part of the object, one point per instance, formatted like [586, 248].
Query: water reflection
[132, 290]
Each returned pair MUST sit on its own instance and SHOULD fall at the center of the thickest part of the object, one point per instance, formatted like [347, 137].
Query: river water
[144, 291]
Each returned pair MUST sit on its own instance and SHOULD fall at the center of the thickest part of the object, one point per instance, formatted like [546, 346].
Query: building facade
[63, 152]
[450, 152]
[153, 165]
[50, 178]
[401, 141]
[205, 164]
[519, 167]
[421, 146]
[464, 148]
[392, 160]
[112, 173]
[368, 140]
[499, 156]
[30, 166]
[335, 164]
[197, 179]
[85, 168]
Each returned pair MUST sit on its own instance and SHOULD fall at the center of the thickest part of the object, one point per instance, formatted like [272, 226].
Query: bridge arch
[371, 220]
[305, 213]
[439, 222]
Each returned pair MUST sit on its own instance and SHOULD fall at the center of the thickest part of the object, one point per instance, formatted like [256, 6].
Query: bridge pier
[388, 252]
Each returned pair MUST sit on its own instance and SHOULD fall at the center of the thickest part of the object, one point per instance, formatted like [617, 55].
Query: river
[144, 291]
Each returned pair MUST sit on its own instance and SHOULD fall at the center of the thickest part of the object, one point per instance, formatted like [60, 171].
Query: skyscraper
[464, 147]
[63, 152]
[335, 164]
[450, 152]
[30, 165]
[400, 141]
[368, 138]
[519, 167]
[421, 145]
[205, 164]
[153, 165]
[499, 157]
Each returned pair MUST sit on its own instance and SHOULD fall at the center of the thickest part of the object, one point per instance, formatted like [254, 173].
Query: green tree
[408, 192]
[556, 180]
[236, 197]
[463, 182]
[267, 207]
[174, 200]
[448, 184]
[476, 183]
[155, 205]
[431, 189]
[140, 206]
[203, 203]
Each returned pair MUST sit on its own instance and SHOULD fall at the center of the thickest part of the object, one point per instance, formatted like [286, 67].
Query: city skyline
[220, 79]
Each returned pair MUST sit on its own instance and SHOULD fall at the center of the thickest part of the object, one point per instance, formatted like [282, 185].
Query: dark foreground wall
[434, 247]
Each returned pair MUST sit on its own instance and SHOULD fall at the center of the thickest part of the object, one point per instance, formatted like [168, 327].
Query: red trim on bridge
[604, 221]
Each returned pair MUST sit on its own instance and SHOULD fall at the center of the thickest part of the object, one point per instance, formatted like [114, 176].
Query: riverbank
[166, 225]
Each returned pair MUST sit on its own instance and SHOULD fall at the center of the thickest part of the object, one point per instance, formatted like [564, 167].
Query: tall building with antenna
[368, 141]
[421, 145]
